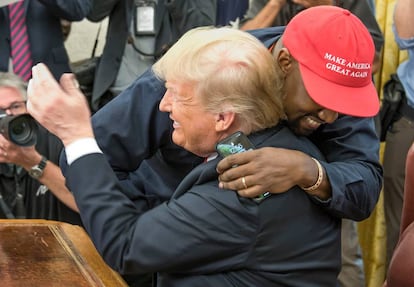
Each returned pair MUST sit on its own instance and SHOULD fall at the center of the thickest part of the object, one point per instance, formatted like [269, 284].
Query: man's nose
[165, 103]
[328, 116]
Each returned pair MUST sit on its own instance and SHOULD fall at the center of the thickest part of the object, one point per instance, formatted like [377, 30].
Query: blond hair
[230, 70]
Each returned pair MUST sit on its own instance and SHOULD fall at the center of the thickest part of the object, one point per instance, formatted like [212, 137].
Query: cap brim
[353, 101]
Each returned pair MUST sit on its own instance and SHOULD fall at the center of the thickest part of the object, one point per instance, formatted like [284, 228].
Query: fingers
[42, 90]
[250, 192]
[234, 160]
[43, 78]
[243, 179]
[235, 173]
[7, 150]
[262, 171]
[6, 153]
[69, 83]
[238, 183]
[3, 147]
[243, 186]
[3, 157]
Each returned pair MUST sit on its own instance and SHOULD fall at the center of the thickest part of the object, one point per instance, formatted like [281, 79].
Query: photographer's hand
[27, 157]
[19, 155]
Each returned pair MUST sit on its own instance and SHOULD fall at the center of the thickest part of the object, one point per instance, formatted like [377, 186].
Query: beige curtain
[372, 231]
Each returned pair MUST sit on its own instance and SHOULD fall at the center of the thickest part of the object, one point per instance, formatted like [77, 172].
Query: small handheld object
[236, 143]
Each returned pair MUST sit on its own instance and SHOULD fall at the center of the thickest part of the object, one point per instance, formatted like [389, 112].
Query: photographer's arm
[403, 15]
[52, 177]
[265, 17]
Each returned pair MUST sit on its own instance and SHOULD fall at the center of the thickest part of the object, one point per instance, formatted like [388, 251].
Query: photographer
[29, 173]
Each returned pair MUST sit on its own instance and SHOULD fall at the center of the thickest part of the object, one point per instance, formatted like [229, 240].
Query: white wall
[82, 38]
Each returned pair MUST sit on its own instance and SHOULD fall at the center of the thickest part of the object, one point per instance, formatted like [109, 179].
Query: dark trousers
[352, 271]
[398, 140]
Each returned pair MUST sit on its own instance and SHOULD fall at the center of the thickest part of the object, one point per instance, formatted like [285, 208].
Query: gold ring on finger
[243, 179]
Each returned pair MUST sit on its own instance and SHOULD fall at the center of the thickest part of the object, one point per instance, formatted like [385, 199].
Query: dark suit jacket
[44, 31]
[205, 236]
[172, 19]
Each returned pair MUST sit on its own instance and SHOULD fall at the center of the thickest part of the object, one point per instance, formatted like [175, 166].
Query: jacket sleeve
[254, 8]
[351, 147]
[186, 15]
[131, 128]
[72, 10]
[171, 237]
[101, 9]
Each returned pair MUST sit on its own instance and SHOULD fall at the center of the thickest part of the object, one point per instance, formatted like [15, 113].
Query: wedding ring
[244, 182]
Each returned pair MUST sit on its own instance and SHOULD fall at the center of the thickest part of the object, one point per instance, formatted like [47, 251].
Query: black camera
[20, 129]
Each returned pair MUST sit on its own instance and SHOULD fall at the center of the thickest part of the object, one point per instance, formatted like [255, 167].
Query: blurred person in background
[269, 13]
[401, 134]
[139, 32]
[36, 25]
[230, 12]
[31, 183]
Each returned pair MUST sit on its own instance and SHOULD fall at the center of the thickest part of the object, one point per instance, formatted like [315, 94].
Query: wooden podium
[50, 253]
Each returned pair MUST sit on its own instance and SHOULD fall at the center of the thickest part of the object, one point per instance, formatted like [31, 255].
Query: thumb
[70, 86]
[69, 83]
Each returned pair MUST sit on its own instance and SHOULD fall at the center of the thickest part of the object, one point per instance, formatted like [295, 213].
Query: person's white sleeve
[80, 148]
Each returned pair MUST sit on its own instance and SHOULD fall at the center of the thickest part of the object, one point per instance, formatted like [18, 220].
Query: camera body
[19, 129]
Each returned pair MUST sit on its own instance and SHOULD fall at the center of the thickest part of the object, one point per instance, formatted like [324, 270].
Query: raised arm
[264, 17]
[101, 9]
[404, 10]
[72, 10]
[351, 179]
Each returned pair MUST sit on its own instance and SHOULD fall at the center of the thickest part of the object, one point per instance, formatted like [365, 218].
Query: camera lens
[22, 130]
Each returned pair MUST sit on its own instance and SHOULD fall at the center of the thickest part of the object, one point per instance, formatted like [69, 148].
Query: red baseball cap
[335, 53]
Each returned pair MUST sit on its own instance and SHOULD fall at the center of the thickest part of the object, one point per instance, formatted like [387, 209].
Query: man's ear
[284, 60]
[224, 121]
